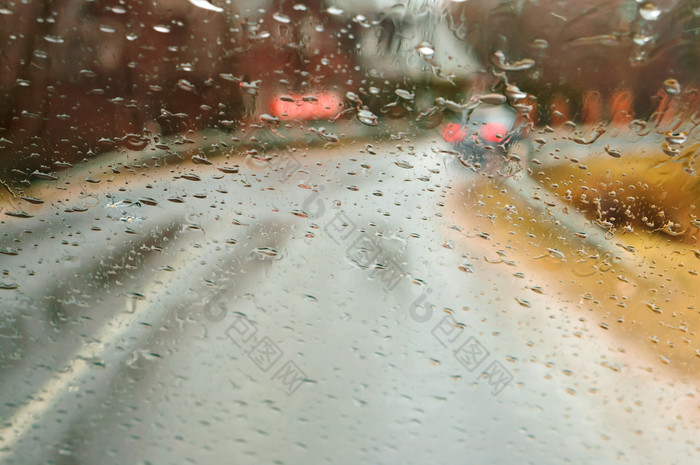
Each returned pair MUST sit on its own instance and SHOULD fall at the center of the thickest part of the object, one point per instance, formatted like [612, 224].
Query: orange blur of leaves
[666, 111]
[621, 111]
[592, 107]
[673, 110]
[326, 105]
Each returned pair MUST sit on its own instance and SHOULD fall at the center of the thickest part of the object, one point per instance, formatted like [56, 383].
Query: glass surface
[346, 232]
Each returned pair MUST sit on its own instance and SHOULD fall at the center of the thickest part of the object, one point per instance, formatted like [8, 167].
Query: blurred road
[343, 303]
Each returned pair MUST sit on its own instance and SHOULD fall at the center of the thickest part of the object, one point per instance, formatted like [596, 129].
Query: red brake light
[453, 133]
[493, 132]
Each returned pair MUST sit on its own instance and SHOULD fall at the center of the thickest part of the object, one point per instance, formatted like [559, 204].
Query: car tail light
[453, 133]
[493, 132]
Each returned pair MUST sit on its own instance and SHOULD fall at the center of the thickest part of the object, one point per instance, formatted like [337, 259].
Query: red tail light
[493, 132]
[453, 133]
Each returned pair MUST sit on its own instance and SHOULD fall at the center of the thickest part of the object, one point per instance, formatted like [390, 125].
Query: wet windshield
[349, 231]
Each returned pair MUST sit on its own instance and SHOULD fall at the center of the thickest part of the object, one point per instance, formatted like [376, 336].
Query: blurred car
[486, 132]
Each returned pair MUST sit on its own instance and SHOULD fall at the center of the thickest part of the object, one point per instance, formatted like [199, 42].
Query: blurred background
[83, 77]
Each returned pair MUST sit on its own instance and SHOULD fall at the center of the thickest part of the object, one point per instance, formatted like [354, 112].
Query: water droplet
[184, 84]
[161, 28]
[281, 18]
[19, 214]
[265, 252]
[33, 200]
[53, 39]
[492, 99]
[556, 253]
[653, 307]
[206, 5]
[499, 59]
[148, 201]
[675, 137]
[670, 149]
[426, 49]
[404, 94]
[251, 88]
[200, 160]
[513, 92]
[134, 142]
[334, 10]
[228, 169]
[361, 20]
[403, 164]
[367, 117]
[269, 119]
[540, 44]
[43, 176]
[641, 39]
[466, 267]
[324, 134]
[672, 87]
[613, 153]
[650, 12]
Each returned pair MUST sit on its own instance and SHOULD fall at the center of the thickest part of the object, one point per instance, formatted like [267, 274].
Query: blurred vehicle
[486, 132]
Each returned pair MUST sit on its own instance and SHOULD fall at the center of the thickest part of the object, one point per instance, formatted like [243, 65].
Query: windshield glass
[349, 231]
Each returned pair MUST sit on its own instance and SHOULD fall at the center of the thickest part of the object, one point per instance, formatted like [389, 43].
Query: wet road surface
[345, 304]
